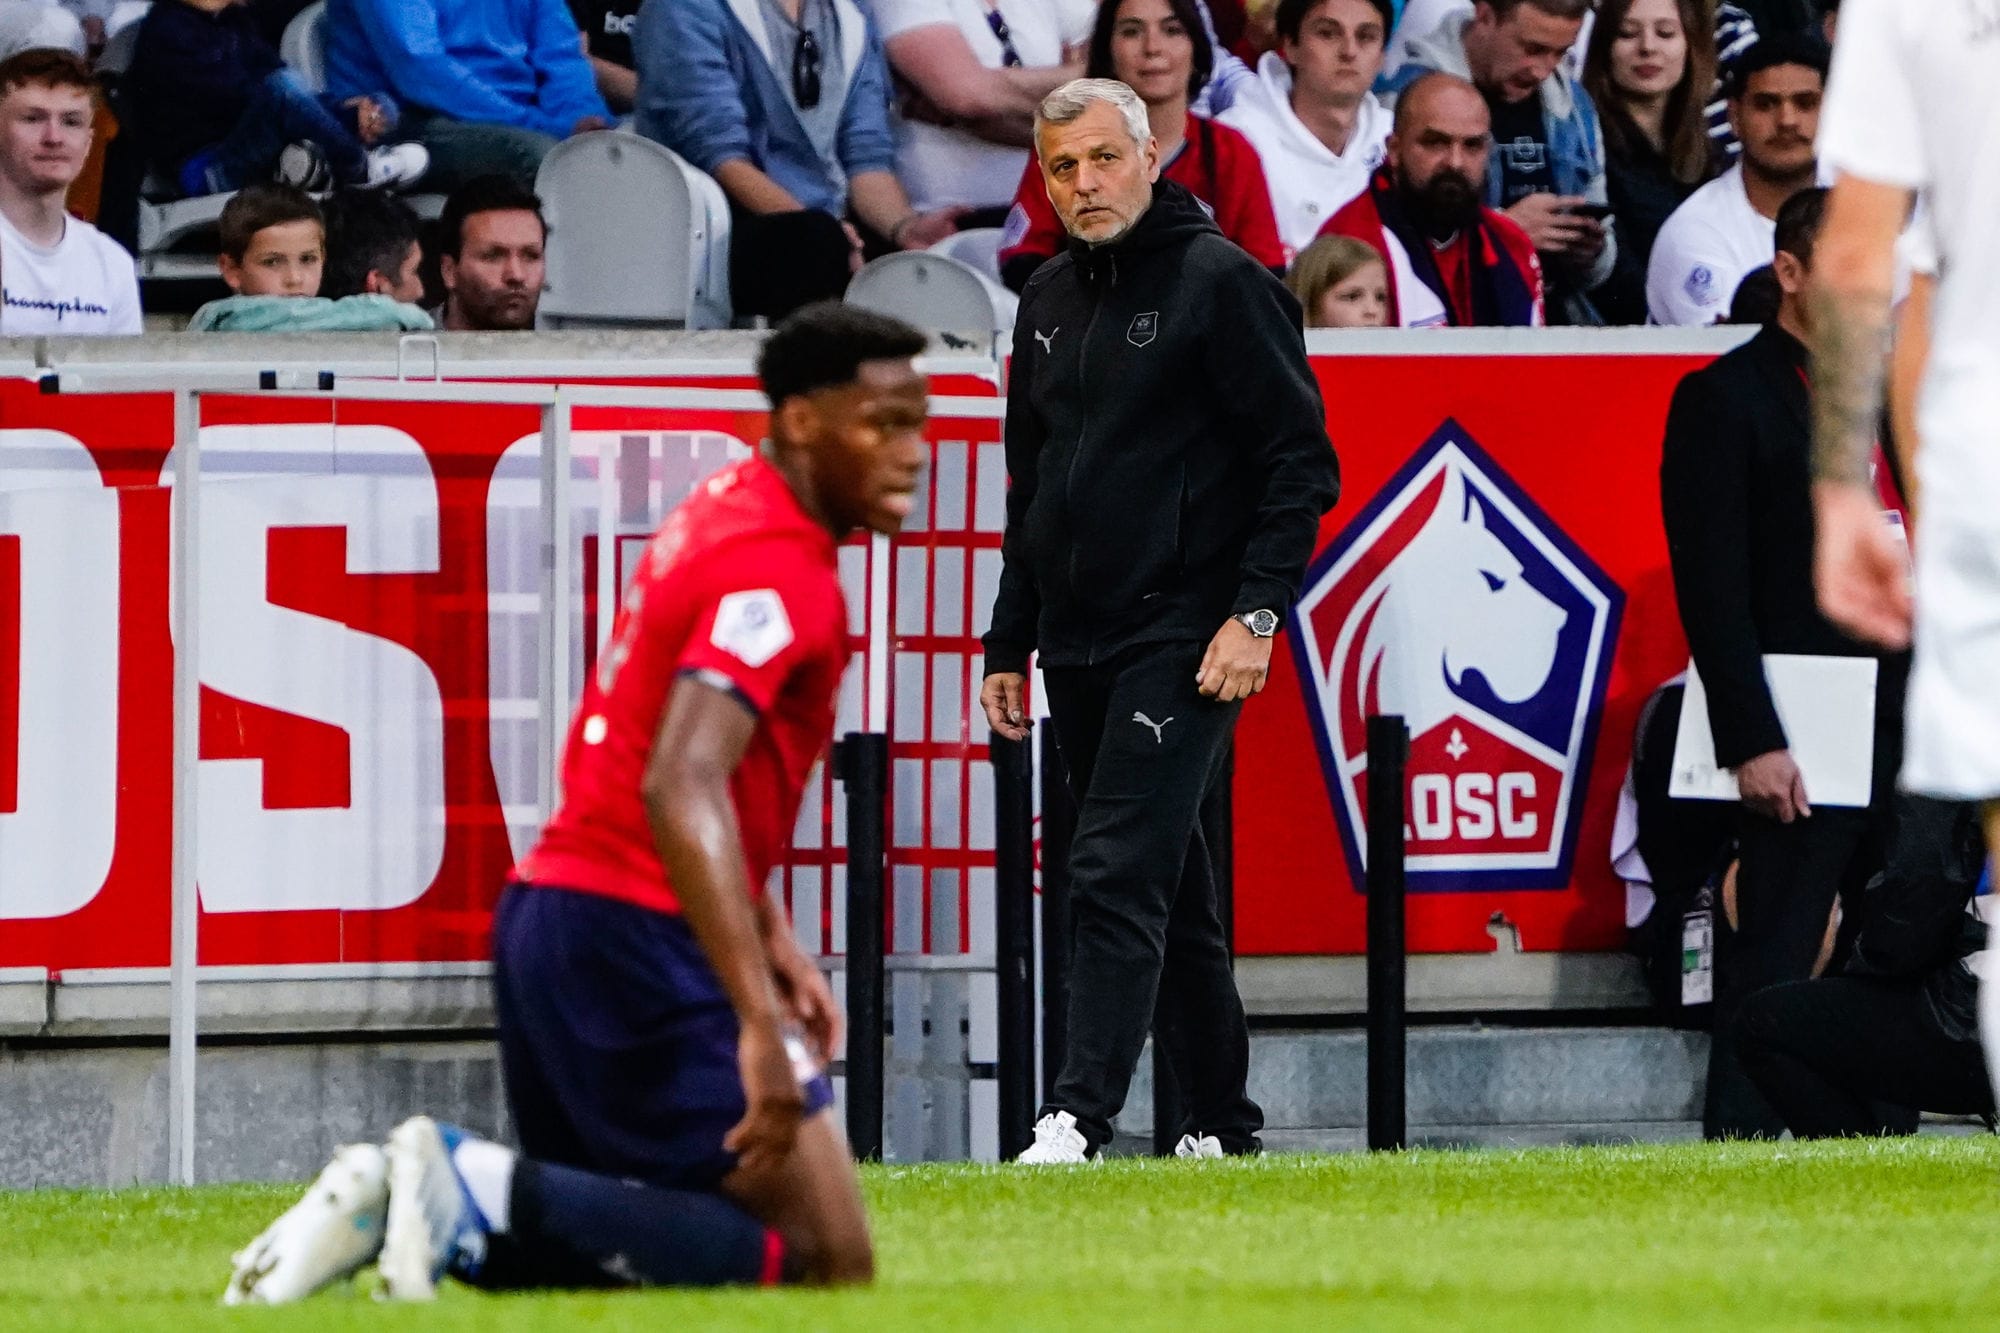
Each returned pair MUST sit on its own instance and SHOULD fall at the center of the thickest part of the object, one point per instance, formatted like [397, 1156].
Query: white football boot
[434, 1226]
[323, 1238]
[1058, 1142]
[1206, 1145]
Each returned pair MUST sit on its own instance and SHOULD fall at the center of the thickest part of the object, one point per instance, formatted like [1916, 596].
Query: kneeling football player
[662, 1036]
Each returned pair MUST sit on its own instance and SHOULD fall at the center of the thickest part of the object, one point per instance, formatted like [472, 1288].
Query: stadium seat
[977, 246]
[637, 237]
[936, 293]
[303, 46]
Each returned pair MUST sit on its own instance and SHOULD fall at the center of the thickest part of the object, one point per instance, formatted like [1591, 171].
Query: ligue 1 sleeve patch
[752, 626]
[1700, 285]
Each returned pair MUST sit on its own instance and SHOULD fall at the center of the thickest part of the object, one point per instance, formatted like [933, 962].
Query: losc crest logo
[1457, 603]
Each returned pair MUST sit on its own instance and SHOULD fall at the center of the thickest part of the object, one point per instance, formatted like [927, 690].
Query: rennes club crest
[1457, 603]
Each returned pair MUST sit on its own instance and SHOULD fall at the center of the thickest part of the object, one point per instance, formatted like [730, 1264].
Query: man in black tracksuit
[1168, 460]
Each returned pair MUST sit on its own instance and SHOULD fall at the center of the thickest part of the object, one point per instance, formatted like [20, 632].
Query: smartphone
[1598, 211]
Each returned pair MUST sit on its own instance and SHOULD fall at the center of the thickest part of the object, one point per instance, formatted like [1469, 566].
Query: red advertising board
[370, 663]
[371, 639]
[1495, 572]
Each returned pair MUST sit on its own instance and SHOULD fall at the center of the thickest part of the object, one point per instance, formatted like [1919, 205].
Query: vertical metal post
[875, 715]
[1014, 937]
[861, 762]
[1058, 831]
[610, 448]
[558, 551]
[185, 931]
[1388, 759]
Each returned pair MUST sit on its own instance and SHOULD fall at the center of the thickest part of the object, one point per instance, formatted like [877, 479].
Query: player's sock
[575, 1228]
[487, 1168]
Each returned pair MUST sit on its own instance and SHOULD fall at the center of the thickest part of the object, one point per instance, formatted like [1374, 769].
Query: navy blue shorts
[617, 1040]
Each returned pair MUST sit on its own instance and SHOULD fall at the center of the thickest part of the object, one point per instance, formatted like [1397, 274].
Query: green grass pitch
[1763, 1236]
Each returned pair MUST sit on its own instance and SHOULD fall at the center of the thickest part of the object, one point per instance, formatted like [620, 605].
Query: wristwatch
[1263, 624]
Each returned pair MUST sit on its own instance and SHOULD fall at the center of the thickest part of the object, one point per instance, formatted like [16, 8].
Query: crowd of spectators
[1569, 161]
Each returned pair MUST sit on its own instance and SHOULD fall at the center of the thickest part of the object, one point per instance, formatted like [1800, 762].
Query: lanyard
[1009, 57]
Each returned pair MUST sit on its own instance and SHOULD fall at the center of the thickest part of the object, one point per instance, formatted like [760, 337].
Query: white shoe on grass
[1205, 1145]
[433, 1225]
[323, 1238]
[1058, 1142]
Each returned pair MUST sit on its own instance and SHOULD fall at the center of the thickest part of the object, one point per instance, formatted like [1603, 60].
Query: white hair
[1071, 100]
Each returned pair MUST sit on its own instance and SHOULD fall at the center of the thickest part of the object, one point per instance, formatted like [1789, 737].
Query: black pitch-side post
[1388, 759]
[861, 762]
[1058, 831]
[1014, 937]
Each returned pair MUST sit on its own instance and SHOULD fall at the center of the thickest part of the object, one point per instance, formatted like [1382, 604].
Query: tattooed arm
[1906, 373]
[1859, 569]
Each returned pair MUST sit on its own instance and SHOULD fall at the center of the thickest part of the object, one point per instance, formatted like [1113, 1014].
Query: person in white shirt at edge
[1725, 229]
[970, 74]
[1310, 114]
[1915, 106]
[58, 274]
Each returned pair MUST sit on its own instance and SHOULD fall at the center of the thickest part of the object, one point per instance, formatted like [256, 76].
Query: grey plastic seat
[637, 237]
[936, 293]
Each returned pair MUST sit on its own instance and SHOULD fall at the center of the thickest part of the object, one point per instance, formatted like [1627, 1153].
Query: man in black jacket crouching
[1168, 466]
[1898, 1031]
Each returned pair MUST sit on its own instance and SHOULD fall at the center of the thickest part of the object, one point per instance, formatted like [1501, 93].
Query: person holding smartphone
[1548, 148]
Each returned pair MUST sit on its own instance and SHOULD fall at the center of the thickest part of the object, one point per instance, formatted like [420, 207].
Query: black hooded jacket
[1166, 445]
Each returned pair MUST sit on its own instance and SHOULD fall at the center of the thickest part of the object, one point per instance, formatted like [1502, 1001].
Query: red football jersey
[740, 586]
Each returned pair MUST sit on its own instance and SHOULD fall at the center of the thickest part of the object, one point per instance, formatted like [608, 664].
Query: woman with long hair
[1649, 68]
[1160, 49]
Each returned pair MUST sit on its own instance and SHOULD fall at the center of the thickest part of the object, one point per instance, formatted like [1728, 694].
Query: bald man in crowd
[1452, 260]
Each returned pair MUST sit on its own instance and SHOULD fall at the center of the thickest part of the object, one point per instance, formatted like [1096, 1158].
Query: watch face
[1263, 623]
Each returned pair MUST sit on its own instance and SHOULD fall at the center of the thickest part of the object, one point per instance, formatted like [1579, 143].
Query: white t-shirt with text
[1706, 248]
[84, 285]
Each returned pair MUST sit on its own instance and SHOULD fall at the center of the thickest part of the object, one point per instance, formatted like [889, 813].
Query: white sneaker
[1205, 1146]
[1058, 1142]
[396, 165]
[323, 1238]
[433, 1223]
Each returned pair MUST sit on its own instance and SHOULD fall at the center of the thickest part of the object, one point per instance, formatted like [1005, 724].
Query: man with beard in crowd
[1452, 260]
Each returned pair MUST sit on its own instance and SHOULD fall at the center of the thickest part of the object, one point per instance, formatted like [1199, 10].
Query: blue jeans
[281, 111]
